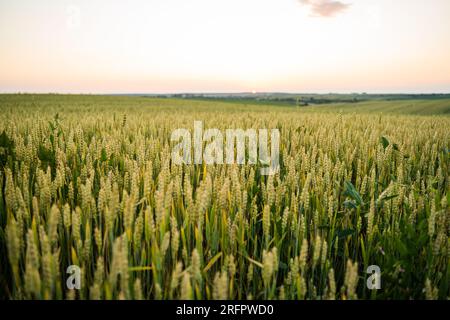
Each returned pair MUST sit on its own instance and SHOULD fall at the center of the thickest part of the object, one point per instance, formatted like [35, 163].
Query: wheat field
[88, 181]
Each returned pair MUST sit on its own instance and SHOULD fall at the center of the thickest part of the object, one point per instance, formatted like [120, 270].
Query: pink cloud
[325, 8]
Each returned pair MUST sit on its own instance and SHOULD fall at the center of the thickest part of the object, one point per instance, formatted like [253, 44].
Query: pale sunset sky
[162, 46]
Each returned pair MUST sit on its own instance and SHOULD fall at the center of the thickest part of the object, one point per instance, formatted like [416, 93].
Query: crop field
[411, 107]
[88, 181]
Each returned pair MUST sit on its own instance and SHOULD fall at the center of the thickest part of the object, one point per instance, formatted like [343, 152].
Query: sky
[167, 46]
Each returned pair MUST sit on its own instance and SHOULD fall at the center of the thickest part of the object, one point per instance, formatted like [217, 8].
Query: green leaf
[212, 261]
[341, 234]
[388, 198]
[259, 264]
[351, 191]
[6, 148]
[350, 204]
[384, 142]
[142, 268]
[264, 163]
[104, 156]
[5, 141]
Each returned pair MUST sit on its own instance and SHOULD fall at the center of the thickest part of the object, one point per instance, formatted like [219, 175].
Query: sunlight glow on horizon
[163, 46]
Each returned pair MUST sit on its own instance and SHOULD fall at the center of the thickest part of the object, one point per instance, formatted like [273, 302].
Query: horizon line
[223, 93]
